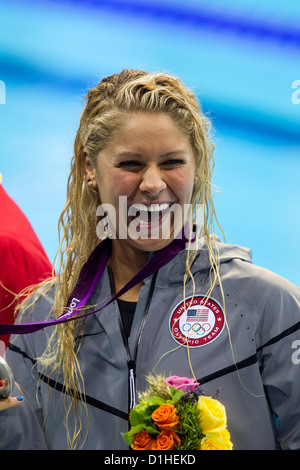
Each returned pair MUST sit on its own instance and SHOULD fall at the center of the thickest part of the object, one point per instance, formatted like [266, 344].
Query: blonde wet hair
[106, 108]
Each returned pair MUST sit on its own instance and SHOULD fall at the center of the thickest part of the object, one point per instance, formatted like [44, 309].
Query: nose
[152, 182]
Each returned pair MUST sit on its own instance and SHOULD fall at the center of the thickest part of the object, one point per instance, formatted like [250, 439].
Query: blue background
[240, 58]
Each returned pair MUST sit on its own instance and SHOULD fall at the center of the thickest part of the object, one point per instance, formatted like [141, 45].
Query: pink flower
[181, 383]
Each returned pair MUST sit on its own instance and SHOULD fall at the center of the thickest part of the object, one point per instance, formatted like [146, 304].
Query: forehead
[149, 129]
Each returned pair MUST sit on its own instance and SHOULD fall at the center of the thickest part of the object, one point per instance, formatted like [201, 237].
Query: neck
[126, 263]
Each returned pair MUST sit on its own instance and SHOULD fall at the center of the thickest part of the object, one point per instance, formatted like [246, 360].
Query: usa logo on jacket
[196, 321]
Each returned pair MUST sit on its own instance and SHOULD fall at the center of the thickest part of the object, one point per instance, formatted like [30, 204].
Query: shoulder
[260, 283]
[37, 306]
[267, 296]
[271, 302]
[236, 266]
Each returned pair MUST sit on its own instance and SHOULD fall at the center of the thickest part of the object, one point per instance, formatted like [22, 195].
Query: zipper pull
[132, 384]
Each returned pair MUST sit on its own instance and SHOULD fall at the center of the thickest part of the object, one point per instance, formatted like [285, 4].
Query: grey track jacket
[259, 379]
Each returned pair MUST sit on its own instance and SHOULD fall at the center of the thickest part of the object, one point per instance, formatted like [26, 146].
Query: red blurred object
[23, 260]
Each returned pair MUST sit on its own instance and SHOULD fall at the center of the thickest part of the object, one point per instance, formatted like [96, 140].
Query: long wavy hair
[106, 107]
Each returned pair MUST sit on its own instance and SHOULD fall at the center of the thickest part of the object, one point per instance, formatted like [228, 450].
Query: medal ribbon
[89, 277]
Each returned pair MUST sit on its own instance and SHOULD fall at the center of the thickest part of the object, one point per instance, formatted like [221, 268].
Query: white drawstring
[132, 388]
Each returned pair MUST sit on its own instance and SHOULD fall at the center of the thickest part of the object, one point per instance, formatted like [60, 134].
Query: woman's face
[146, 175]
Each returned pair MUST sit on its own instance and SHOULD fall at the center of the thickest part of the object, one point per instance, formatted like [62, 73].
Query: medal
[7, 375]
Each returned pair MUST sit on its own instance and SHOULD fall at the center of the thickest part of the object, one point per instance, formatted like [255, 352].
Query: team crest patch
[197, 323]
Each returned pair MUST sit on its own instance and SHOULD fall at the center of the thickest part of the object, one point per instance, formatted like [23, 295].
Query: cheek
[125, 183]
[116, 184]
[182, 185]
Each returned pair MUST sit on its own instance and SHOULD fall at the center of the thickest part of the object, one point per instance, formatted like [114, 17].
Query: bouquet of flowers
[175, 414]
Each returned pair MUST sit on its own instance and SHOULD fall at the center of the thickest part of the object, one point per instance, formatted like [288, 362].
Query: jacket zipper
[131, 362]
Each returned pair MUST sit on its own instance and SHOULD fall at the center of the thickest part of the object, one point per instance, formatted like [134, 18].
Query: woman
[143, 149]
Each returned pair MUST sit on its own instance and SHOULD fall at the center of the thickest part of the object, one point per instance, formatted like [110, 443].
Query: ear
[90, 172]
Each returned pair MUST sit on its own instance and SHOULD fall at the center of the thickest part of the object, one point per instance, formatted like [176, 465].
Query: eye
[174, 162]
[129, 164]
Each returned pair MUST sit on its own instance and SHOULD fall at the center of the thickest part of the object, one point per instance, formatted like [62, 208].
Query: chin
[149, 244]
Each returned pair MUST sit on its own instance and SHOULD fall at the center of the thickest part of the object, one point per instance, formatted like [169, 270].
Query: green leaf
[147, 418]
[155, 400]
[135, 418]
[149, 410]
[136, 429]
[176, 394]
[128, 438]
[152, 430]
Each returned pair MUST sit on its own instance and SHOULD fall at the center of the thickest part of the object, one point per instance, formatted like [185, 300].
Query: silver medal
[6, 374]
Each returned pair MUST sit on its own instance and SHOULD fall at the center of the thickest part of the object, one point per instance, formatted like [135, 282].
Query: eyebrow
[138, 155]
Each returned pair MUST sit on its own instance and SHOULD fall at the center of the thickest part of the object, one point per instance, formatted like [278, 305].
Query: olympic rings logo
[196, 328]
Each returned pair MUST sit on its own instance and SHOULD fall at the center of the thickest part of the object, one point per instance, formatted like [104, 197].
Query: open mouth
[147, 216]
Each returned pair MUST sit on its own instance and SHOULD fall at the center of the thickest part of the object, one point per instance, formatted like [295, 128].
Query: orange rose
[165, 417]
[142, 441]
[166, 440]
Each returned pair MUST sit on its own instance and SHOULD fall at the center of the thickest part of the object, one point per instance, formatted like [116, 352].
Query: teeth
[158, 207]
[152, 208]
[139, 207]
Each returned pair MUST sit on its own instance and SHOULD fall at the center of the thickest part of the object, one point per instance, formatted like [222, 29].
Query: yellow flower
[216, 441]
[212, 415]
